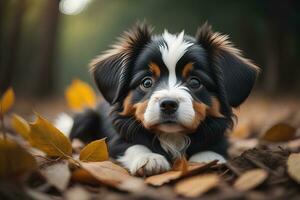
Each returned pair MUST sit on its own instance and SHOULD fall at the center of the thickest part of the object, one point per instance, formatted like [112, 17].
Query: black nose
[168, 106]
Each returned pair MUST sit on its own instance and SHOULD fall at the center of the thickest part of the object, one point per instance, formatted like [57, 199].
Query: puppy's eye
[194, 83]
[147, 83]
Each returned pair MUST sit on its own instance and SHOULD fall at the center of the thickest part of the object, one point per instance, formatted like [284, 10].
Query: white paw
[207, 156]
[149, 164]
[139, 160]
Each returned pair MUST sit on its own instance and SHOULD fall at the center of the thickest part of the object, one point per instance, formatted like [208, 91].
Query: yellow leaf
[250, 179]
[21, 126]
[80, 95]
[197, 185]
[293, 166]
[280, 133]
[14, 159]
[95, 151]
[47, 138]
[7, 101]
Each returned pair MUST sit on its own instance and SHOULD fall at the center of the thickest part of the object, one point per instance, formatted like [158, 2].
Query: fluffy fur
[166, 96]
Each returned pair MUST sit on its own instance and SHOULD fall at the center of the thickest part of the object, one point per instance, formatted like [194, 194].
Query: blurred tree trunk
[11, 45]
[45, 80]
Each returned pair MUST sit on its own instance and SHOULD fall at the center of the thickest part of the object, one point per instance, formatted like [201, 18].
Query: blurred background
[45, 44]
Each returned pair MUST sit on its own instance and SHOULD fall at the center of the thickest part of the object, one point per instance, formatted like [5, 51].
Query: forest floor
[264, 162]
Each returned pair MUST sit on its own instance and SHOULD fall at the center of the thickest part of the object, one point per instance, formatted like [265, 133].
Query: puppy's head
[172, 82]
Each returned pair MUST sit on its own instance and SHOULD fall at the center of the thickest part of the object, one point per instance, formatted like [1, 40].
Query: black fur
[225, 73]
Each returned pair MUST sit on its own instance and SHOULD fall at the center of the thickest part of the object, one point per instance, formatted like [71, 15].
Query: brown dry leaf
[7, 101]
[77, 193]
[160, 179]
[57, 174]
[106, 172]
[83, 176]
[80, 95]
[197, 185]
[95, 151]
[45, 137]
[293, 166]
[279, 133]
[180, 164]
[14, 159]
[21, 126]
[250, 179]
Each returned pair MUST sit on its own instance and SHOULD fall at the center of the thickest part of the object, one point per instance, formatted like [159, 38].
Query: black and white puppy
[166, 96]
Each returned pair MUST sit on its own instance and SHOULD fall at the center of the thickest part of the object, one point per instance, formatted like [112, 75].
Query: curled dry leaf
[14, 159]
[250, 179]
[293, 166]
[57, 174]
[191, 168]
[95, 151]
[279, 133]
[197, 185]
[111, 174]
[21, 126]
[7, 101]
[45, 137]
[180, 164]
[80, 95]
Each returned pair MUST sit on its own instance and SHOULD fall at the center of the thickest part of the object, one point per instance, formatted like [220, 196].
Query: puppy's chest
[174, 144]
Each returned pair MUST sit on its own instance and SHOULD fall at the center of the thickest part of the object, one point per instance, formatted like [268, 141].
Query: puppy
[166, 96]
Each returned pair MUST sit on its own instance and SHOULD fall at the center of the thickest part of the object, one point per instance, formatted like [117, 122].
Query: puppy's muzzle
[168, 106]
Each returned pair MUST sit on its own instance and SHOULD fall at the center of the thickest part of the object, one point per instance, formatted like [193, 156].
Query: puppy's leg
[139, 160]
[207, 156]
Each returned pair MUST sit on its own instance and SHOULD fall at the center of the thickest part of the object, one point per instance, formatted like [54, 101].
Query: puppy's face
[171, 83]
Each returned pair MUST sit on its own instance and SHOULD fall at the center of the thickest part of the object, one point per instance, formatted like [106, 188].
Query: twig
[233, 169]
[259, 164]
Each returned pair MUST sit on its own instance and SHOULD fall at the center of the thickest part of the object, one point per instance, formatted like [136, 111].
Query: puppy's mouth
[169, 126]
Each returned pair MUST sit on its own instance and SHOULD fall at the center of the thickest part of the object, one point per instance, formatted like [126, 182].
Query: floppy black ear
[236, 73]
[111, 70]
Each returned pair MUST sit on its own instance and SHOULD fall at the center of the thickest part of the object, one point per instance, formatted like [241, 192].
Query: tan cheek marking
[140, 109]
[187, 69]
[128, 108]
[154, 68]
[214, 109]
[200, 114]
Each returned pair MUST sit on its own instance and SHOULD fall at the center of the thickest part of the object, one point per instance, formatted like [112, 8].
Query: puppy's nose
[168, 106]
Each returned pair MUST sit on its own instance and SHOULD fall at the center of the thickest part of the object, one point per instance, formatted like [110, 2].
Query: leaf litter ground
[264, 163]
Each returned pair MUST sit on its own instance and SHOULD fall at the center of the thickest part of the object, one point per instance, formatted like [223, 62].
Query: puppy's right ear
[112, 70]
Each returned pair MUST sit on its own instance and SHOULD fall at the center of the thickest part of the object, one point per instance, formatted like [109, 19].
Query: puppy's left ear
[112, 69]
[232, 71]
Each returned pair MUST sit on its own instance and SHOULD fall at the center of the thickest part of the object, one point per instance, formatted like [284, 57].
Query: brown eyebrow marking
[154, 68]
[187, 69]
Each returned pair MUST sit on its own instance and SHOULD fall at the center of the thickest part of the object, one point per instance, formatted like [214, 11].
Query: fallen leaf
[95, 151]
[293, 166]
[82, 176]
[80, 95]
[21, 126]
[106, 172]
[250, 179]
[77, 193]
[47, 138]
[57, 174]
[279, 133]
[197, 185]
[7, 101]
[180, 164]
[191, 168]
[14, 159]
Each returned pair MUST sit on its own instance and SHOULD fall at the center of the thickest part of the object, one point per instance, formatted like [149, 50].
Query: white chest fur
[173, 143]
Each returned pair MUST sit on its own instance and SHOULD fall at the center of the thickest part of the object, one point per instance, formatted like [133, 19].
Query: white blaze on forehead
[172, 51]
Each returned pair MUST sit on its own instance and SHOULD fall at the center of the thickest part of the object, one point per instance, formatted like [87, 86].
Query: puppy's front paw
[149, 164]
[207, 156]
